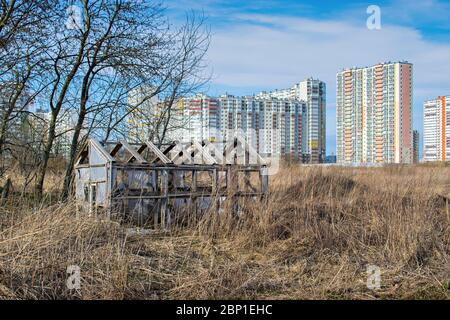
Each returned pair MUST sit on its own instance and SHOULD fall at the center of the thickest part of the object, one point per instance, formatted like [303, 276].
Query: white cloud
[278, 51]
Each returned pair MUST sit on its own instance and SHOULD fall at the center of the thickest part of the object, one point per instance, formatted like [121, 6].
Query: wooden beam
[264, 176]
[209, 147]
[116, 149]
[158, 153]
[252, 153]
[180, 157]
[204, 154]
[165, 199]
[134, 153]
[157, 189]
[140, 150]
[94, 143]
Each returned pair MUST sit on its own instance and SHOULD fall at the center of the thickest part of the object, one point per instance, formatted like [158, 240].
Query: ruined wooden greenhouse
[144, 183]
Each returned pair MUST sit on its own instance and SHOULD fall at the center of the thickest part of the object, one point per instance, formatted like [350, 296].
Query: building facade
[313, 93]
[272, 126]
[374, 114]
[436, 133]
[197, 118]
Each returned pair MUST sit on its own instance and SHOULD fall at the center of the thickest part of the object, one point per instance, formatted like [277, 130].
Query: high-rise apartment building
[272, 126]
[436, 133]
[199, 119]
[374, 114]
[313, 93]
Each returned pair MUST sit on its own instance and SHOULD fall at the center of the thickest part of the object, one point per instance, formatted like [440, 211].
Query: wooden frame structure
[143, 182]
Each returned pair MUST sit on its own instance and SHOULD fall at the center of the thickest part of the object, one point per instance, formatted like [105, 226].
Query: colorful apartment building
[313, 93]
[374, 114]
[436, 133]
[272, 126]
[199, 119]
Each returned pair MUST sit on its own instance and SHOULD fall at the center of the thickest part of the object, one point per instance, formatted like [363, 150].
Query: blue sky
[270, 44]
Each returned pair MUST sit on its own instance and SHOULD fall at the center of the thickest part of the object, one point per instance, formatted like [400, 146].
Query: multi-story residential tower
[313, 93]
[272, 126]
[436, 133]
[374, 114]
[141, 121]
[200, 119]
[416, 144]
[278, 126]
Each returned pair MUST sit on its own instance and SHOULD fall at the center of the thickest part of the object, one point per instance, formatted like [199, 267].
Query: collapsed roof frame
[97, 172]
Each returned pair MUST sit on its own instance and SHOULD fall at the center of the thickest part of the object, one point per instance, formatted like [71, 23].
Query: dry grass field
[314, 239]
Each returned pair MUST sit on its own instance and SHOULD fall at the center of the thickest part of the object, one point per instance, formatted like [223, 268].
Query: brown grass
[314, 238]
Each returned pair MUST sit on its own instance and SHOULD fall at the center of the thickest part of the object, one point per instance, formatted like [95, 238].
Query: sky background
[273, 44]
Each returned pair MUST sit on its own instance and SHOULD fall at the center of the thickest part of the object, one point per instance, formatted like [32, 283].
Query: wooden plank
[141, 149]
[184, 155]
[205, 155]
[134, 153]
[94, 143]
[218, 154]
[165, 199]
[252, 153]
[188, 195]
[264, 176]
[215, 186]
[158, 153]
[155, 183]
[169, 148]
[194, 189]
[116, 149]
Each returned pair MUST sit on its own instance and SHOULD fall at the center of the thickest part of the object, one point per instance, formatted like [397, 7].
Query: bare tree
[137, 49]
[18, 17]
[188, 73]
[66, 55]
[22, 30]
[89, 56]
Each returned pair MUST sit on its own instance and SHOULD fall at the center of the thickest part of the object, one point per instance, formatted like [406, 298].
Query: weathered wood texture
[140, 180]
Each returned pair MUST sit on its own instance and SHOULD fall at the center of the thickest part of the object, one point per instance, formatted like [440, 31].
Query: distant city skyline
[262, 46]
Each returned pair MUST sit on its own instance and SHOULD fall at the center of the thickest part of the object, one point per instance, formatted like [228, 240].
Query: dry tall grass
[314, 238]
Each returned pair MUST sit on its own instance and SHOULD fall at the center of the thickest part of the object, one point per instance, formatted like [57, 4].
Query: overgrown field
[314, 239]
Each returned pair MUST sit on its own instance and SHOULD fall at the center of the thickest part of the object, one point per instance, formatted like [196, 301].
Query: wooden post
[215, 188]
[264, 177]
[165, 199]
[155, 184]
[194, 190]
[5, 192]
[230, 184]
[215, 182]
